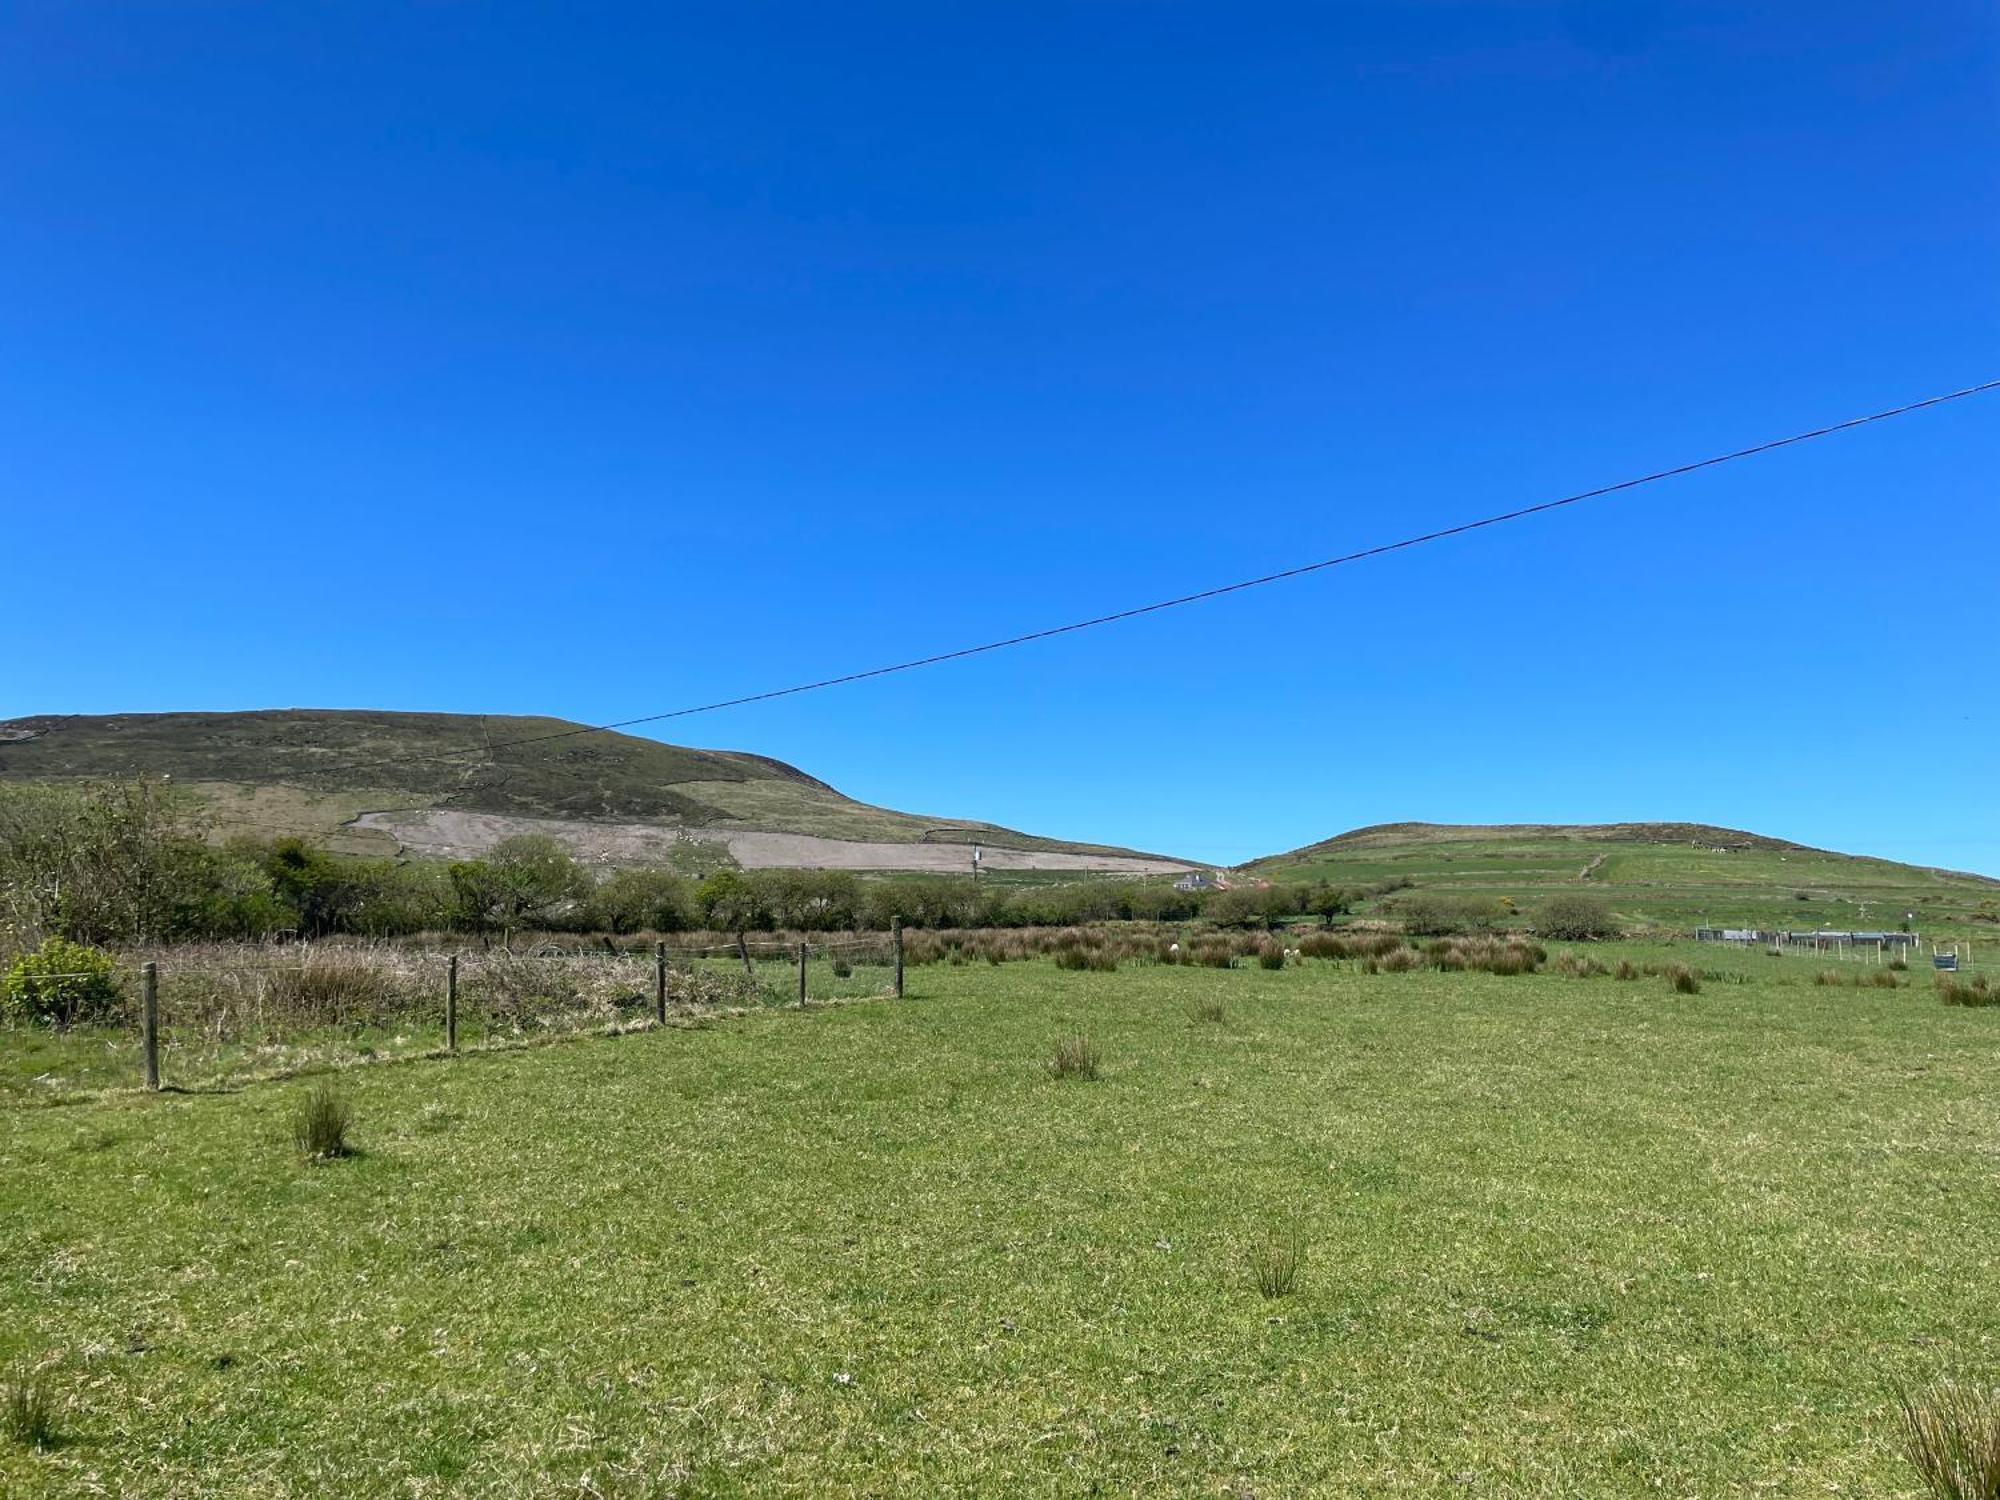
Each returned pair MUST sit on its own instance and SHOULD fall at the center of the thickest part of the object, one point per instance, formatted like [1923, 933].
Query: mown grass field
[1562, 1237]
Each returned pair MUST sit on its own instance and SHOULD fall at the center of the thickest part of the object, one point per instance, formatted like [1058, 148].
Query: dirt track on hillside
[445, 834]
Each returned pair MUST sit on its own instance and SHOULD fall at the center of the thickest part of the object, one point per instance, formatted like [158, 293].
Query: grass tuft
[1208, 1010]
[1274, 1263]
[1951, 1436]
[1076, 1058]
[1684, 980]
[28, 1408]
[1974, 991]
[320, 1124]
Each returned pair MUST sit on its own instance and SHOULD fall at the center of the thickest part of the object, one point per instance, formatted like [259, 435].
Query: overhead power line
[1199, 596]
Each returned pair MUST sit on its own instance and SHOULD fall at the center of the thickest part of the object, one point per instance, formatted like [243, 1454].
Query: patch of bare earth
[442, 833]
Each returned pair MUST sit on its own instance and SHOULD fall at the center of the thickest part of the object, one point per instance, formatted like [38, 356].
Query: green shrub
[1430, 914]
[1270, 955]
[320, 1124]
[842, 969]
[1574, 918]
[61, 984]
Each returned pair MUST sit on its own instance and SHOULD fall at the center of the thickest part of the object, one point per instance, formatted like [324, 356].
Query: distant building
[1194, 880]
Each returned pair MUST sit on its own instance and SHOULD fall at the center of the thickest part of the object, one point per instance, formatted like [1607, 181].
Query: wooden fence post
[451, 1004]
[896, 937]
[802, 976]
[743, 952]
[149, 1023]
[660, 983]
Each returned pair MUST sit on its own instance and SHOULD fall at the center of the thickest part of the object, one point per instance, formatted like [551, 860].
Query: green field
[1672, 875]
[1561, 1237]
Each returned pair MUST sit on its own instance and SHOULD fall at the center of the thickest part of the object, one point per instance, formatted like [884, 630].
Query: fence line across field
[461, 966]
[307, 952]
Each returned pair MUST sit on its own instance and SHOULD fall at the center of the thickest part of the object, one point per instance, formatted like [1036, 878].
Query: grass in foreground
[27, 1409]
[1567, 1237]
[1951, 1433]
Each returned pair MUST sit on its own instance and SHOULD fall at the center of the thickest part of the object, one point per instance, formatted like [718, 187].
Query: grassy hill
[1673, 874]
[316, 771]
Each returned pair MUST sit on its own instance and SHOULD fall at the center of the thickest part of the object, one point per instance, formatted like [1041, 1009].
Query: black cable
[1185, 599]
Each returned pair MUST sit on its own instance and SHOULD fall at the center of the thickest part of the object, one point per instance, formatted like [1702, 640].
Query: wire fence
[216, 1017]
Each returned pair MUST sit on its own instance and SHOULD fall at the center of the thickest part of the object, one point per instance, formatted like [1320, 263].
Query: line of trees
[130, 862]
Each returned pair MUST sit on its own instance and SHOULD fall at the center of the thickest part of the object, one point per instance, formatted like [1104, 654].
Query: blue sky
[594, 360]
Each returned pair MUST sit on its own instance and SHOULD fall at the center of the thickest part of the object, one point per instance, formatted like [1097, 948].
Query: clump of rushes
[1951, 1435]
[1275, 1261]
[1076, 1058]
[1626, 970]
[1271, 956]
[320, 1124]
[1973, 991]
[1208, 1010]
[1684, 980]
[29, 1410]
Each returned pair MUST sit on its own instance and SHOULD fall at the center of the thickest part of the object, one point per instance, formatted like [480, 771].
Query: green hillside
[314, 770]
[1670, 874]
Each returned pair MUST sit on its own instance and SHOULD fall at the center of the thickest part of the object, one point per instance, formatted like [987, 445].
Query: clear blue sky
[593, 360]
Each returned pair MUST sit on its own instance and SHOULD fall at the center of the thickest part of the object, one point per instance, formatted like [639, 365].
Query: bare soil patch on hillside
[442, 833]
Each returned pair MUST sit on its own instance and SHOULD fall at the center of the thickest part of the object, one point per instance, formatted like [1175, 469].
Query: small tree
[635, 900]
[1235, 907]
[1329, 901]
[729, 903]
[1574, 917]
[95, 863]
[524, 881]
[320, 888]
